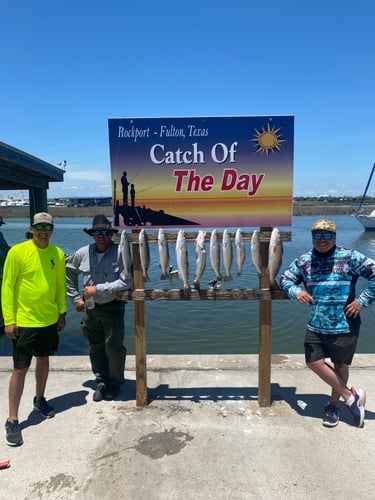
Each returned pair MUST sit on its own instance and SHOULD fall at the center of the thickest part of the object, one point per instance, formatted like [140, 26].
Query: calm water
[208, 327]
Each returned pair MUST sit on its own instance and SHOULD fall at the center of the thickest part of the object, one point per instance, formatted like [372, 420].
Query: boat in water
[367, 220]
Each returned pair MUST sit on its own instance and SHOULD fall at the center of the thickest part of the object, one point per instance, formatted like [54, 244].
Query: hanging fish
[163, 254]
[215, 254]
[124, 249]
[182, 259]
[227, 254]
[255, 251]
[240, 251]
[200, 257]
[144, 252]
[275, 253]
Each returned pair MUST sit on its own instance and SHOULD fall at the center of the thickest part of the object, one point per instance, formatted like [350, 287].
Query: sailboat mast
[367, 186]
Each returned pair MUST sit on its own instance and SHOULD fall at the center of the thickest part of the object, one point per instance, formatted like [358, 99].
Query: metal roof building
[20, 170]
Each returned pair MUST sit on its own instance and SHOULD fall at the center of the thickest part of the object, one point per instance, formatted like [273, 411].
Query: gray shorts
[339, 347]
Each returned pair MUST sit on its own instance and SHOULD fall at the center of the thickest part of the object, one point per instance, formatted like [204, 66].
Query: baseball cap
[324, 225]
[42, 218]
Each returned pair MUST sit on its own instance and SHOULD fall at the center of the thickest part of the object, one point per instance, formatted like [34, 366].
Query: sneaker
[43, 408]
[99, 392]
[13, 433]
[331, 415]
[357, 409]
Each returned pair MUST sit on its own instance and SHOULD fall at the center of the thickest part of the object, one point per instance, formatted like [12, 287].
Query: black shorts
[30, 342]
[339, 347]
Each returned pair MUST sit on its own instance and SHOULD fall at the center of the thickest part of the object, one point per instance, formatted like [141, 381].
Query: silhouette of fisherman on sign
[125, 187]
[132, 194]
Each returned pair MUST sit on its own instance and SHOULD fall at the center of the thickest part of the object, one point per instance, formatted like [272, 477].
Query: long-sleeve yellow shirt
[34, 285]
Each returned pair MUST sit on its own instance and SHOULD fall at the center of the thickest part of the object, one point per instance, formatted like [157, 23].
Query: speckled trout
[124, 248]
[144, 252]
[200, 257]
[163, 254]
[240, 251]
[227, 254]
[255, 251]
[182, 259]
[215, 254]
[275, 256]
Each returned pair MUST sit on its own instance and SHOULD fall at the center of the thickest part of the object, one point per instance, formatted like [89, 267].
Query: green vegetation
[333, 200]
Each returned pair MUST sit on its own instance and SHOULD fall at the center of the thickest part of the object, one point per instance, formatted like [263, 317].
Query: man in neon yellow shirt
[34, 308]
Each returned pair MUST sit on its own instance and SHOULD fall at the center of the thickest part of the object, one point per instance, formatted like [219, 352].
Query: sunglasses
[100, 232]
[325, 236]
[46, 227]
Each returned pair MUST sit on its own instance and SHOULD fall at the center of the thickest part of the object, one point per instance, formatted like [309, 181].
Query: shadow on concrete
[307, 405]
[60, 404]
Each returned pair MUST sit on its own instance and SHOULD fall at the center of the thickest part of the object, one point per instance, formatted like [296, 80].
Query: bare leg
[41, 375]
[331, 377]
[16, 385]
[343, 373]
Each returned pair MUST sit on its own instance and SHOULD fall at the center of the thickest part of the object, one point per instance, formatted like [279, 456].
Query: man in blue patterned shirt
[325, 277]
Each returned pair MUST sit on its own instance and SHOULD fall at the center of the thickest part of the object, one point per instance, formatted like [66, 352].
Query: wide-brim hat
[100, 222]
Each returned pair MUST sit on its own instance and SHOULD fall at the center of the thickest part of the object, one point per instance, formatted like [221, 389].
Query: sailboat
[367, 220]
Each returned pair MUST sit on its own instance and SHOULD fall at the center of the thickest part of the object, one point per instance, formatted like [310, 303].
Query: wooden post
[140, 333]
[265, 331]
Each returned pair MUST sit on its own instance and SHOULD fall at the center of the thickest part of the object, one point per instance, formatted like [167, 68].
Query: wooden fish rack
[264, 294]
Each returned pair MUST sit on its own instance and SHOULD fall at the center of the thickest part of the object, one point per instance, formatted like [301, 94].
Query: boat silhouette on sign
[367, 220]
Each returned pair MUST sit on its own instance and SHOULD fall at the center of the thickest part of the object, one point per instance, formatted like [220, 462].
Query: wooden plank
[265, 333]
[140, 333]
[208, 294]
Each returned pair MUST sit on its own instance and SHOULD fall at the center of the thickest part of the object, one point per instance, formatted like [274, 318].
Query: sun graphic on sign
[268, 140]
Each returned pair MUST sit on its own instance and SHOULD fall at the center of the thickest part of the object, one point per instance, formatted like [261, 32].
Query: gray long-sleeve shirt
[108, 274]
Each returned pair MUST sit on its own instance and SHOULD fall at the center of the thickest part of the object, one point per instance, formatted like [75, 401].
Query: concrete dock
[202, 435]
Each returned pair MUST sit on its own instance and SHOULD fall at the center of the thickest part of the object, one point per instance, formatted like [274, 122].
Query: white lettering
[179, 157]
[133, 132]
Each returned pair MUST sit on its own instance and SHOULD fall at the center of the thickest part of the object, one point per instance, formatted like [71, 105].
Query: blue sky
[67, 66]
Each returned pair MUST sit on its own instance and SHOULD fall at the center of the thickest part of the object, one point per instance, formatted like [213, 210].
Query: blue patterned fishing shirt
[330, 279]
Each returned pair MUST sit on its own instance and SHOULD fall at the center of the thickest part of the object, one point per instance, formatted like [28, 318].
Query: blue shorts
[339, 347]
[42, 341]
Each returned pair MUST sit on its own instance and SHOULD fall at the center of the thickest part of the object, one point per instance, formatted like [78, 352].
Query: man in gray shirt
[102, 268]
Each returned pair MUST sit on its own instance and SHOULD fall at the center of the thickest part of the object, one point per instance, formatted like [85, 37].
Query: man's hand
[304, 298]
[79, 305]
[353, 309]
[89, 291]
[61, 323]
[11, 331]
